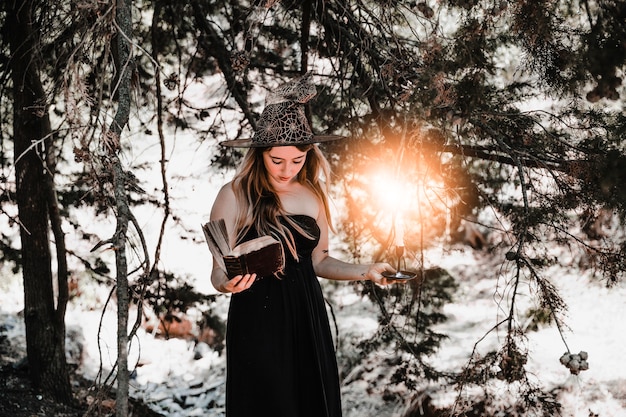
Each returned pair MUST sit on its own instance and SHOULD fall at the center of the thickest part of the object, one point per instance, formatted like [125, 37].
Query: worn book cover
[263, 255]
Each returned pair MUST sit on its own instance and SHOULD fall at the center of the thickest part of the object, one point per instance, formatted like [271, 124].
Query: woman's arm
[225, 207]
[331, 268]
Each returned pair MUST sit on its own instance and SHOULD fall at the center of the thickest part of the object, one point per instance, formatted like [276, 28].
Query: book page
[252, 245]
[216, 237]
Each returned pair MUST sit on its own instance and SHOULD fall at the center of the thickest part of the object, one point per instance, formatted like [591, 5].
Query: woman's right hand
[238, 284]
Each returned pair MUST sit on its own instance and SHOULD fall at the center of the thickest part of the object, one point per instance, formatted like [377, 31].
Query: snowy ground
[178, 378]
[593, 324]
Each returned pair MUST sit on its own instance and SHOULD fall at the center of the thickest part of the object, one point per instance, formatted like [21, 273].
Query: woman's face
[283, 163]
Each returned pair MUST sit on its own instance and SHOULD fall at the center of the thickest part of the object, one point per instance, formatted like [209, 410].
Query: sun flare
[397, 204]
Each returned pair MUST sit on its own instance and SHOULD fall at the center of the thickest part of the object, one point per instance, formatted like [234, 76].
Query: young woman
[280, 354]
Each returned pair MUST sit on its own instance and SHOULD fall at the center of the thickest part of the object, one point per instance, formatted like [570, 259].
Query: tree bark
[45, 327]
[123, 66]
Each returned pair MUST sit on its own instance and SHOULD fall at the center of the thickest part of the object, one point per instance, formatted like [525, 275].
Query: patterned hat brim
[283, 122]
[251, 143]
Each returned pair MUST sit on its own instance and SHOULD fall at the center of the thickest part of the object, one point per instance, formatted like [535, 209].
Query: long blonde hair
[259, 206]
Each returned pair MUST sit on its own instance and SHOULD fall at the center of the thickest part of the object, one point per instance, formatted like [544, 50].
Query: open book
[263, 255]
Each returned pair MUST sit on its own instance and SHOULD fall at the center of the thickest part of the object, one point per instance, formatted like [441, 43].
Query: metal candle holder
[399, 274]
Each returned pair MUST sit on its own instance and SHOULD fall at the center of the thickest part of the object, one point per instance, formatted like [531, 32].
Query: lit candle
[399, 231]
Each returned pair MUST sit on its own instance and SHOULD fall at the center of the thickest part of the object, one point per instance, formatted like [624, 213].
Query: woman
[280, 354]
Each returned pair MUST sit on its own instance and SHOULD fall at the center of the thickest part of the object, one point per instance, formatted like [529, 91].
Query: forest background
[497, 124]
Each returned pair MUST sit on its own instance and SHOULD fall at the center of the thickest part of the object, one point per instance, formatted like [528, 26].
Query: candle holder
[399, 274]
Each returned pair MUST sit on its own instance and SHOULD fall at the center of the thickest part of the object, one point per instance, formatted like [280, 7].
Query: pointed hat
[283, 122]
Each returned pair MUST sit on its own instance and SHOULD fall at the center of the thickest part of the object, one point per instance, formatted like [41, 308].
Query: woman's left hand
[375, 273]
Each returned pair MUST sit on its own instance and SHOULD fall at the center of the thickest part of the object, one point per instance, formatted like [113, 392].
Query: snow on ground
[179, 378]
[592, 323]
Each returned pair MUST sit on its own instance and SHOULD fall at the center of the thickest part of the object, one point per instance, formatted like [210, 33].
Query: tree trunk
[123, 64]
[45, 327]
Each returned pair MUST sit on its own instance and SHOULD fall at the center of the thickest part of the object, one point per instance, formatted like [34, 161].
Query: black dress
[279, 350]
